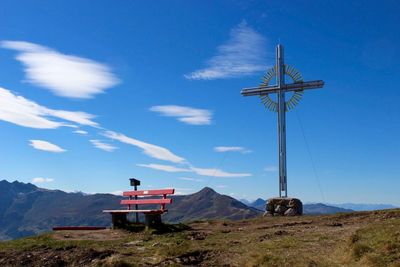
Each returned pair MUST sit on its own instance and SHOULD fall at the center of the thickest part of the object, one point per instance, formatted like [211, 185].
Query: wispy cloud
[187, 115]
[271, 169]
[190, 179]
[46, 146]
[24, 112]
[150, 150]
[199, 171]
[183, 191]
[243, 54]
[231, 149]
[103, 146]
[82, 132]
[64, 75]
[161, 167]
[39, 180]
[218, 173]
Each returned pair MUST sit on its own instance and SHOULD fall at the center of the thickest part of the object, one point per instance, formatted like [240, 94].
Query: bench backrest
[148, 201]
[157, 192]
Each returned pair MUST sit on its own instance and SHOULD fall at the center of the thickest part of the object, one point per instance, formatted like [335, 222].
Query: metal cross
[280, 89]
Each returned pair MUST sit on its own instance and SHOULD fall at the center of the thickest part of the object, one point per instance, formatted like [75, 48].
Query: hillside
[320, 208]
[347, 239]
[27, 210]
[208, 204]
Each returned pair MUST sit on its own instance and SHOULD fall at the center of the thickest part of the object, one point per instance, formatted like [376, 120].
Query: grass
[376, 245]
[357, 239]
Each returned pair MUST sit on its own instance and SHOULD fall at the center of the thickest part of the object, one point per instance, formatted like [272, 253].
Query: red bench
[152, 216]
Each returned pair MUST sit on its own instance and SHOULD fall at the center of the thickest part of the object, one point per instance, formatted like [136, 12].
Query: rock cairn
[281, 206]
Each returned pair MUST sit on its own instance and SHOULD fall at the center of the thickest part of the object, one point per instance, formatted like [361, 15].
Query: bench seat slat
[137, 211]
[129, 211]
[149, 192]
[146, 201]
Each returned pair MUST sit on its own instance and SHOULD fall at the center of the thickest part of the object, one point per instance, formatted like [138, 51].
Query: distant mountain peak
[17, 186]
[207, 190]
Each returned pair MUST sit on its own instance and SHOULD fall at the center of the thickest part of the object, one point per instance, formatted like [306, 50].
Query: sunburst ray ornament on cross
[296, 77]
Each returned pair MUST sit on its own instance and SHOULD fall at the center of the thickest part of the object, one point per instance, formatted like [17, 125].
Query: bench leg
[152, 220]
[119, 220]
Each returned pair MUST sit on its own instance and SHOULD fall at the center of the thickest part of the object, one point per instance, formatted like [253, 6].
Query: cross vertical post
[296, 89]
[280, 64]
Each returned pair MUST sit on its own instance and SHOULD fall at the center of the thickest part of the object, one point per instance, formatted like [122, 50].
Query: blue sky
[93, 94]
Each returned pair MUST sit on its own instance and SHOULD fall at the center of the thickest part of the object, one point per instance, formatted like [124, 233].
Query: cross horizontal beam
[264, 90]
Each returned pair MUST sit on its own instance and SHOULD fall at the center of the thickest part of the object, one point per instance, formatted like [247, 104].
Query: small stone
[268, 214]
[291, 212]
[280, 209]
[133, 243]
[335, 224]
[280, 232]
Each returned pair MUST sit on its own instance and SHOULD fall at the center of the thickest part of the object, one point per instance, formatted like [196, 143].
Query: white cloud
[217, 173]
[103, 146]
[38, 180]
[161, 167]
[185, 114]
[150, 150]
[74, 116]
[82, 132]
[270, 169]
[64, 75]
[231, 149]
[198, 171]
[190, 179]
[221, 186]
[242, 55]
[183, 191]
[24, 112]
[46, 146]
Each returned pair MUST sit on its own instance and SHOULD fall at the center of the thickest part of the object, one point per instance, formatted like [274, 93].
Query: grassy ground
[354, 239]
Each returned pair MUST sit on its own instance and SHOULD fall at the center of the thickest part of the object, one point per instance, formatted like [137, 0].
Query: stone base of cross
[283, 206]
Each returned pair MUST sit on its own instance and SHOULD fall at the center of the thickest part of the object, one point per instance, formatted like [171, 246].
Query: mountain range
[26, 209]
[363, 207]
[325, 208]
[310, 209]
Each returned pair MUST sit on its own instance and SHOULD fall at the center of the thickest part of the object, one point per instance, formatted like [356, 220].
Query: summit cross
[281, 106]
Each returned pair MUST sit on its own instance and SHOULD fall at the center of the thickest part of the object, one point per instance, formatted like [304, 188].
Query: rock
[134, 243]
[283, 206]
[268, 213]
[280, 209]
[280, 232]
[197, 236]
[291, 212]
